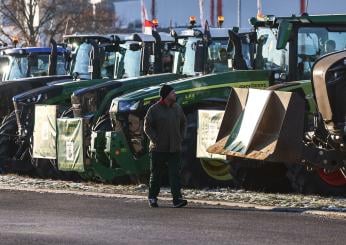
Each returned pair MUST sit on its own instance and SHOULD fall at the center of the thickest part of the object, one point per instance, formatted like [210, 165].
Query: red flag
[148, 27]
[144, 14]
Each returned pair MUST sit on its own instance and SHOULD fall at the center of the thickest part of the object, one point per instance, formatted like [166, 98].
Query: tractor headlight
[126, 105]
[32, 99]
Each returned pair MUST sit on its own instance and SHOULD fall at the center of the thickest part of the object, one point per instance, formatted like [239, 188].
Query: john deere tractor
[283, 129]
[298, 126]
[83, 67]
[279, 51]
[129, 58]
[120, 149]
[91, 105]
[29, 68]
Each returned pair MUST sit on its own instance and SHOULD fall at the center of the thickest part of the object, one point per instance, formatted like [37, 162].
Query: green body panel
[115, 157]
[192, 90]
[69, 87]
[130, 85]
[112, 145]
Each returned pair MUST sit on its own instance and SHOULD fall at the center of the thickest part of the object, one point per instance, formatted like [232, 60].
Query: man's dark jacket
[165, 127]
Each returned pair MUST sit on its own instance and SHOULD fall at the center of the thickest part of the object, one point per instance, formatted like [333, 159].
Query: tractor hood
[88, 100]
[183, 87]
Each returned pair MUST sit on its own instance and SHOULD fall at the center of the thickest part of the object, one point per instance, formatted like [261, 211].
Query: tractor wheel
[8, 146]
[316, 182]
[199, 173]
[46, 168]
[104, 124]
[260, 176]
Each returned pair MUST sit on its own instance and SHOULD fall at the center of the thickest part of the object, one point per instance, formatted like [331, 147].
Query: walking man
[165, 126]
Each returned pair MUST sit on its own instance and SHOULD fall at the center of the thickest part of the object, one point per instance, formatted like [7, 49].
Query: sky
[178, 11]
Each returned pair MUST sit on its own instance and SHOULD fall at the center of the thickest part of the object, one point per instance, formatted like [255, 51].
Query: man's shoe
[153, 203]
[179, 203]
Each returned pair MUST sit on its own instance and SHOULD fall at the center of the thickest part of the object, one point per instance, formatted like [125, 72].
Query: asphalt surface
[43, 218]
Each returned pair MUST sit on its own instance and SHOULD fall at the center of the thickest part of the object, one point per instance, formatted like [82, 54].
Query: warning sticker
[45, 131]
[209, 122]
[69, 151]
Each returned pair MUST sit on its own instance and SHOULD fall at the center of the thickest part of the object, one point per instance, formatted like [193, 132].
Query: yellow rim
[216, 169]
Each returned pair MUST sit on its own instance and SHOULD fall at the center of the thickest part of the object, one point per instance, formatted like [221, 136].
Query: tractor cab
[140, 54]
[290, 45]
[93, 56]
[201, 51]
[32, 62]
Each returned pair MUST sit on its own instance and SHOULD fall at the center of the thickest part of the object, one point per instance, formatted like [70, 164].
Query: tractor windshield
[82, 61]
[189, 55]
[31, 65]
[314, 42]
[267, 56]
[218, 55]
[127, 62]
[107, 67]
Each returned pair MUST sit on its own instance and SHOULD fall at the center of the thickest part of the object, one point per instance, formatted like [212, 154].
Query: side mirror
[285, 32]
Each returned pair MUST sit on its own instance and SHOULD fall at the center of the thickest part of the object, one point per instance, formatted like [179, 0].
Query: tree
[34, 22]
[99, 18]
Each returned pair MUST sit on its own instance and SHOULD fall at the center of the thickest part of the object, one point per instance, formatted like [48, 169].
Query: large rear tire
[310, 182]
[8, 131]
[200, 173]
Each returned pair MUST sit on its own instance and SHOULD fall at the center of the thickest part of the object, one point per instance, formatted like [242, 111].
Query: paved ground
[46, 218]
[224, 196]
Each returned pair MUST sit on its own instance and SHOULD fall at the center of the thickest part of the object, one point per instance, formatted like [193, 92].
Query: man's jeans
[157, 160]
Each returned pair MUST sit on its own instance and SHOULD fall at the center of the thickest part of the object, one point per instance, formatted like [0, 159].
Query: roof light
[155, 22]
[192, 20]
[148, 27]
[15, 40]
[220, 20]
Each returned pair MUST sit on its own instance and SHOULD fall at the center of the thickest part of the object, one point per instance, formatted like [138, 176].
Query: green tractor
[13, 153]
[28, 68]
[90, 105]
[305, 133]
[297, 127]
[279, 51]
[120, 149]
[132, 56]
